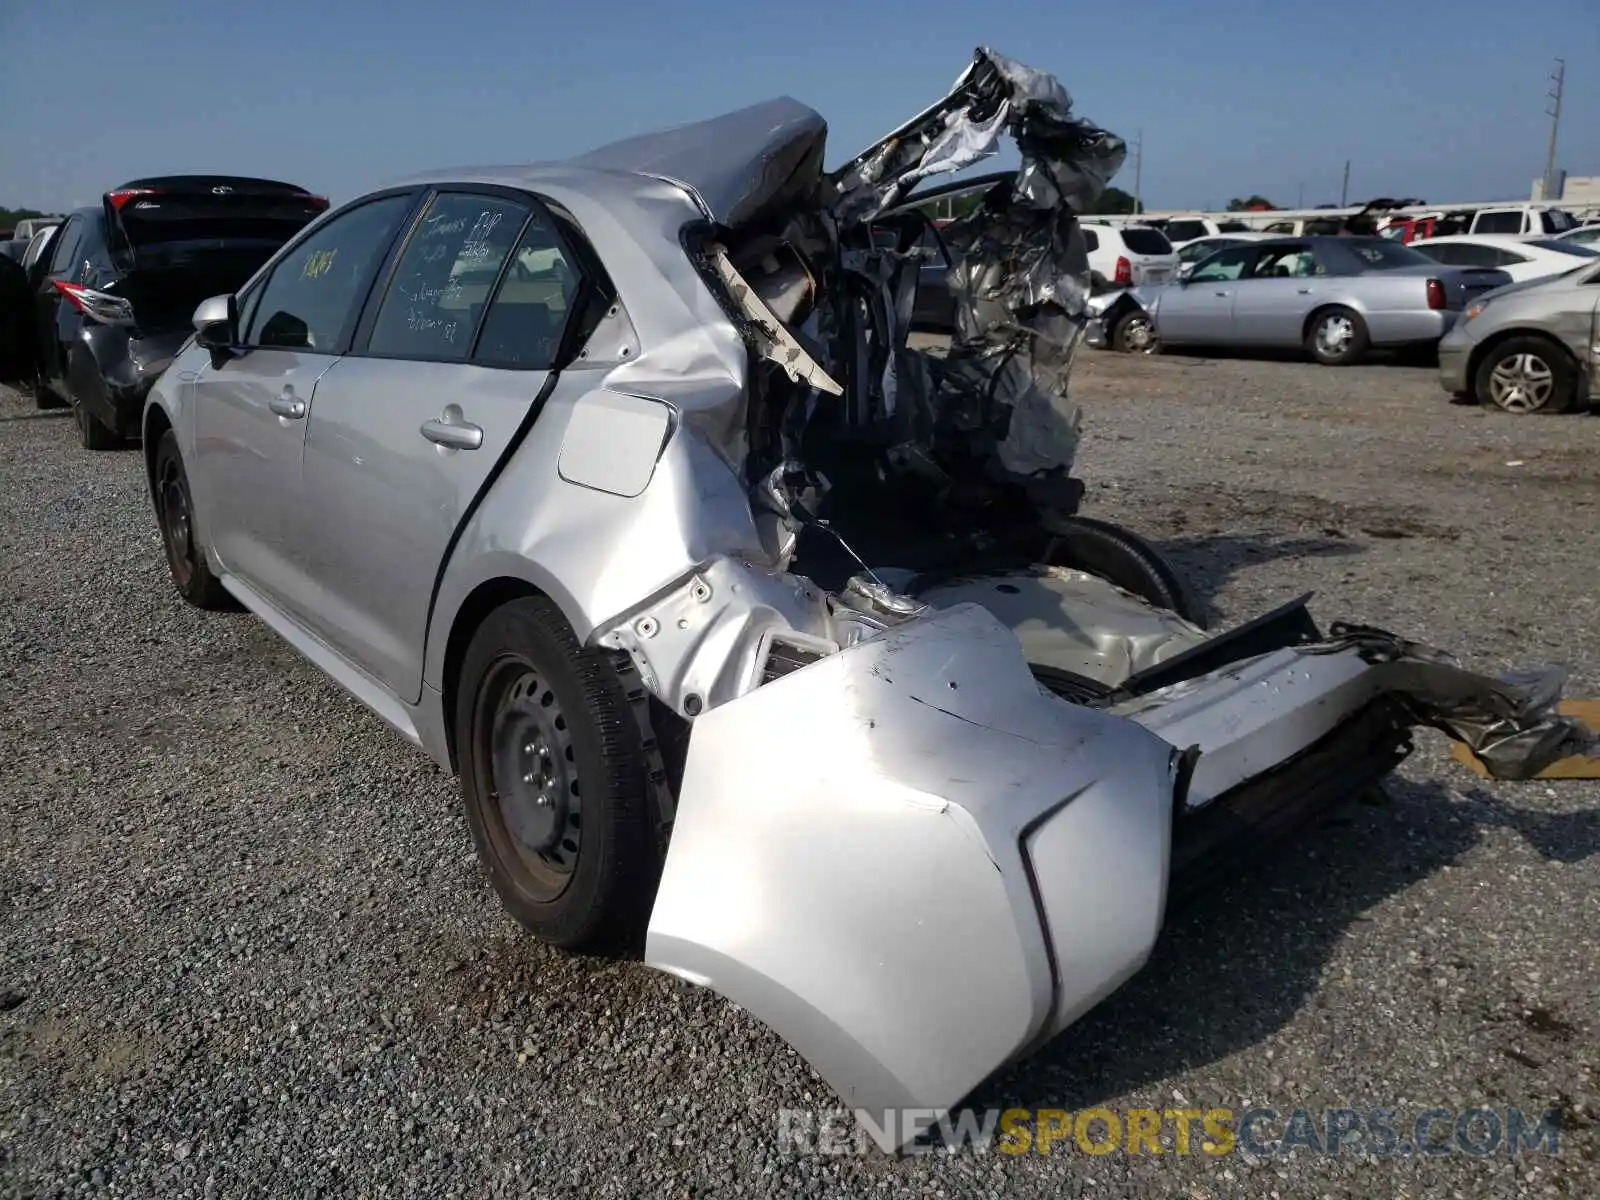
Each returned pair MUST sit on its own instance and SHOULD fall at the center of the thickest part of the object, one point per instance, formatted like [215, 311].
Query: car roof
[1493, 239]
[733, 162]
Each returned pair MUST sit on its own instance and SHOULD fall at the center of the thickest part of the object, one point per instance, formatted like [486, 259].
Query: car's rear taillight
[97, 306]
[1124, 271]
[121, 197]
[1436, 296]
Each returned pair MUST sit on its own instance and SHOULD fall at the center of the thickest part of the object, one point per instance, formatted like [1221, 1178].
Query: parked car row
[106, 296]
[1336, 297]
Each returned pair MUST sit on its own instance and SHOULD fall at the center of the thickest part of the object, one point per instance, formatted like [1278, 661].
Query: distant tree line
[10, 216]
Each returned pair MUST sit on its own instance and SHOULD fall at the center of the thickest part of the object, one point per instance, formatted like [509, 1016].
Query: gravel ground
[245, 948]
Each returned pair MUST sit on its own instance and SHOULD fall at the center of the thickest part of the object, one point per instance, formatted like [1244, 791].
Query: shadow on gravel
[1423, 358]
[1208, 563]
[1238, 964]
[49, 414]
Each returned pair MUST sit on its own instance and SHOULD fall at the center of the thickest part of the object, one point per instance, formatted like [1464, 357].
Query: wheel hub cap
[1521, 383]
[1139, 335]
[1334, 334]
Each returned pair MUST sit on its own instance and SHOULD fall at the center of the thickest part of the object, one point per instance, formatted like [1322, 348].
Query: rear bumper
[915, 865]
[129, 367]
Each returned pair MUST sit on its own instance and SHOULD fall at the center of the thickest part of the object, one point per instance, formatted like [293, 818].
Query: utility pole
[1558, 79]
[1344, 188]
[1138, 172]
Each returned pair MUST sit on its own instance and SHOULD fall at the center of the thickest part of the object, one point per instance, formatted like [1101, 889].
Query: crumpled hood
[737, 164]
[991, 417]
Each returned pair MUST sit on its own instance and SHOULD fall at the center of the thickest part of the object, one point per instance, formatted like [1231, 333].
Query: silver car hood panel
[736, 164]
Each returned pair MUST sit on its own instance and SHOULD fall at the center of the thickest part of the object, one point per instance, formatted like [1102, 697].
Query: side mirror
[216, 323]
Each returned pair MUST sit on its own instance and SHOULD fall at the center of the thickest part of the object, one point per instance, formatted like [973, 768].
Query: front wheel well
[482, 601]
[1496, 340]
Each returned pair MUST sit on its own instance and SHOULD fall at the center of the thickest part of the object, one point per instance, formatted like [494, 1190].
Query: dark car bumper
[128, 368]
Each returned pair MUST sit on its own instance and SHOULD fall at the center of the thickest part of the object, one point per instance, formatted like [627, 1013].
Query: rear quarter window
[1498, 222]
[1146, 241]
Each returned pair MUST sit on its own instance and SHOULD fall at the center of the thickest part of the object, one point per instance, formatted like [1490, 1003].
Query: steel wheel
[180, 540]
[1521, 383]
[172, 514]
[527, 742]
[556, 778]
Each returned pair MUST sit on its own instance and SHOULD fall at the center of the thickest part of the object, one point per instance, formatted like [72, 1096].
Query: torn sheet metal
[994, 410]
[1513, 724]
[775, 343]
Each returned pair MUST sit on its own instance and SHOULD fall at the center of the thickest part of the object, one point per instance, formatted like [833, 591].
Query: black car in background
[110, 303]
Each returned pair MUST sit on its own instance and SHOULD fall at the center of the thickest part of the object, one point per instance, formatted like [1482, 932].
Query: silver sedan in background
[1338, 297]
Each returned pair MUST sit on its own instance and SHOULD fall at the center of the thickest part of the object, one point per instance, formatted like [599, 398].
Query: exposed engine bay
[948, 744]
[888, 481]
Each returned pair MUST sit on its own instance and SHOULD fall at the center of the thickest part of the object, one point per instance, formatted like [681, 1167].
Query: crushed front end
[943, 771]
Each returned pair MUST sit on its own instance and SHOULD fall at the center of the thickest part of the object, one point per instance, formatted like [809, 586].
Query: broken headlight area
[886, 482]
[950, 745]
[962, 450]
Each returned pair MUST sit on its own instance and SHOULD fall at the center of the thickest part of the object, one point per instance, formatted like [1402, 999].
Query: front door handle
[1223, 293]
[287, 404]
[452, 430]
[1304, 291]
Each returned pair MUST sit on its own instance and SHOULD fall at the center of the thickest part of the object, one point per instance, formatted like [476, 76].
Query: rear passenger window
[1091, 240]
[525, 320]
[1498, 222]
[442, 282]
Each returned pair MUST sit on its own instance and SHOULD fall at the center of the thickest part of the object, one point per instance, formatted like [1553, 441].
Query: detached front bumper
[915, 864]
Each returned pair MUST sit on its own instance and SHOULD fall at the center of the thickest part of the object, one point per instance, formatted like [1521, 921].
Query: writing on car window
[442, 282]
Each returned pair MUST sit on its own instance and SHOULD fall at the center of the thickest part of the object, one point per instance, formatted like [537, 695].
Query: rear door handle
[1223, 293]
[1304, 291]
[452, 430]
[287, 404]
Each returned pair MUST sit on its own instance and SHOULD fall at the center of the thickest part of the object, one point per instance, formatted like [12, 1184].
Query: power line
[1138, 172]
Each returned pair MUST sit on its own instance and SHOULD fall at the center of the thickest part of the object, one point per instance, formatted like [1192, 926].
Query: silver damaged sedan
[612, 485]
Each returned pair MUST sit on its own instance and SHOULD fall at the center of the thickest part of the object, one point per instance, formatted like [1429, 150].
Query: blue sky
[1444, 102]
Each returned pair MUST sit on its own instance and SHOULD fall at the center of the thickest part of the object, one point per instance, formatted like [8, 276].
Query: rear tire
[1337, 337]
[44, 399]
[186, 557]
[1121, 557]
[92, 432]
[1526, 375]
[555, 780]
